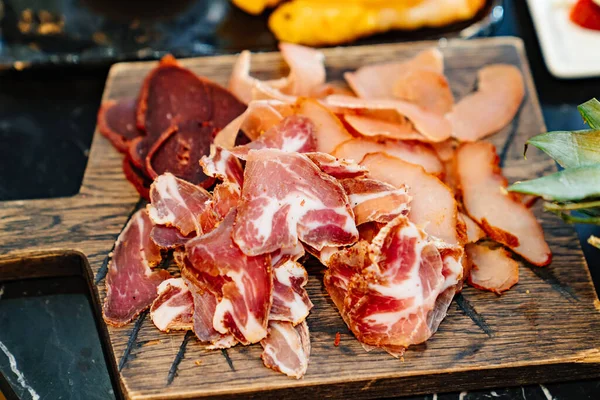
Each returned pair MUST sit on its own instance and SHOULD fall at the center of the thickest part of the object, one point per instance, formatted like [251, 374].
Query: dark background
[47, 118]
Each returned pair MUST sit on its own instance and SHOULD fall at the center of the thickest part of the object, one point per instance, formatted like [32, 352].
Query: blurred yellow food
[327, 22]
[255, 6]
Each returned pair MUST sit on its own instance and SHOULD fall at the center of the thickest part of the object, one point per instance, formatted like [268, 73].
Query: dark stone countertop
[47, 117]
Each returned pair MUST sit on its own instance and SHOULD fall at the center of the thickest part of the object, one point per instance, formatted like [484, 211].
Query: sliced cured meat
[493, 269]
[138, 179]
[446, 149]
[226, 197]
[178, 150]
[375, 201]
[433, 207]
[376, 81]
[173, 309]
[260, 116]
[177, 203]
[391, 305]
[338, 168]
[285, 254]
[452, 260]
[330, 132]
[223, 165]
[290, 300]
[333, 87]
[285, 198]
[503, 217]
[307, 69]
[434, 127]
[131, 285]
[117, 122]
[495, 103]
[167, 237]
[413, 152]
[243, 283]
[342, 266]
[287, 348]
[426, 88]
[382, 129]
[293, 134]
[474, 232]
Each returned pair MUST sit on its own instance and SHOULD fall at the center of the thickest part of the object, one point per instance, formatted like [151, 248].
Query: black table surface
[47, 118]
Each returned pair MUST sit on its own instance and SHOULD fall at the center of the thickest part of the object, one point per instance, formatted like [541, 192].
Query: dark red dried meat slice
[137, 178]
[117, 122]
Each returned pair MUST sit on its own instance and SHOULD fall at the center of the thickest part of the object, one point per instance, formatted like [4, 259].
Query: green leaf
[576, 219]
[571, 184]
[570, 149]
[590, 111]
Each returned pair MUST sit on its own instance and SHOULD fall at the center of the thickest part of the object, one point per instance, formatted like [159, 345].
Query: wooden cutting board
[544, 329]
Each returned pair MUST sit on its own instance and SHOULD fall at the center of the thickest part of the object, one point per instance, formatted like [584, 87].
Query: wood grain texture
[545, 328]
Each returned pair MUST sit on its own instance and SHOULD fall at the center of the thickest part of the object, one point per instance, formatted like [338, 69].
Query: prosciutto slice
[226, 197]
[293, 134]
[495, 103]
[173, 309]
[223, 165]
[338, 168]
[131, 285]
[413, 152]
[242, 283]
[376, 81]
[290, 299]
[286, 197]
[492, 269]
[375, 201]
[287, 348]
[177, 203]
[503, 217]
[433, 207]
[168, 238]
[377, 128]
[329, 130]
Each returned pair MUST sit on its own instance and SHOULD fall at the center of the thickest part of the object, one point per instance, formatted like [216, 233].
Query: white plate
[569, 50]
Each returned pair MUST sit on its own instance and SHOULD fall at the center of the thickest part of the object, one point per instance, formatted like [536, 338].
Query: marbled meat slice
[242, 283]
[410, 151]
[177, 203]
[116, 121]
[492, 269]
[287, 348]
[377, 128]
[290, 299]
[226, 196]
[167, 237]
[173, 309]
[131, 285]
[495, 103]
[293, 134]
[336, 167]
[501, 215]
[375, 201]
[286, 197]
[433, 207]
[223, 165]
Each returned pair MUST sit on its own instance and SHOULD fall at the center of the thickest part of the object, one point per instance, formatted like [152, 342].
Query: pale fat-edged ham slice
[427, 88]
[493, 106]
[376, 81]
[474, 231]
[286, 197]
[412, 152]
[330, 132]
[223, 165]
[290, 299]
[287, 348]
[241, 84]
[503, 217]
[433, 207]
[378, 128]
[307, 69]
[492, 269]
[434, 127]
[337, 167]
[173, 309]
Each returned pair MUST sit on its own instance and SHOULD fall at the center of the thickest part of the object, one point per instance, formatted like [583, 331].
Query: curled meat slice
[177, 203]
[381, 129]
[503, 217]
[426, 88]
[117, 122]
[307, 69]
[375, 201]
[433, 207]
[242, 283]
[293, 134]
[336, 167]
[286, 197]
[413, 152]
[223, 165]
[329, 130]
[474, 232]
[495, 103]
[434, 127]
[376, 81]
[287, 348]
[167, 237]
[130, 283]
[290, 300]
[493, 269]
[173, 309]
[226, 197]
